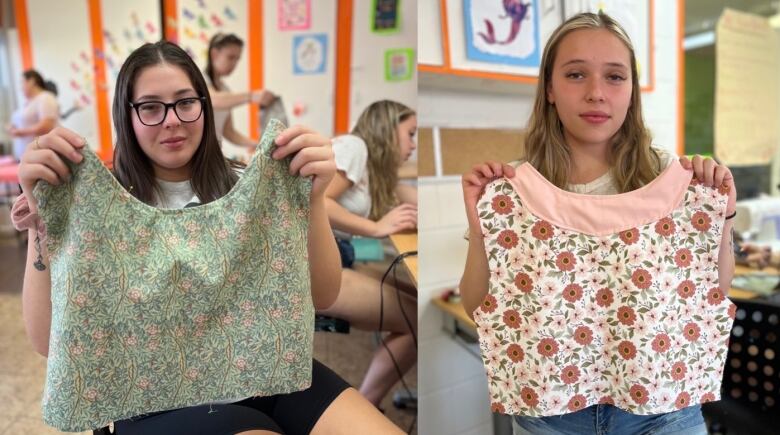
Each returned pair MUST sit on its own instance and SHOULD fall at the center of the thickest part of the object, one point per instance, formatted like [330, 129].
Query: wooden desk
[407, 242]
[408, 170]
[456, 310]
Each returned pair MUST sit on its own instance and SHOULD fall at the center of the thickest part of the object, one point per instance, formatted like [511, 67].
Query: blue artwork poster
[310, 53]
[503, 31]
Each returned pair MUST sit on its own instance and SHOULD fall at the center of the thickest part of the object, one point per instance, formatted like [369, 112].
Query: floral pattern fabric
[160, 309]
[635, 319]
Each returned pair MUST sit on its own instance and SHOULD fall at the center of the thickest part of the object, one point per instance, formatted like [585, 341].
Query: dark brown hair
[35, 76]
[220, 40]
[212, 175]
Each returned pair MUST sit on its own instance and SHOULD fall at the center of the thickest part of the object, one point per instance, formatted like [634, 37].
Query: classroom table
[407, 242]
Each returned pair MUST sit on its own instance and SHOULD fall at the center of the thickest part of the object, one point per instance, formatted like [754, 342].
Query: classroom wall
[68, 31]
[368, 59]
[452, 384]
[198, 21]
[315, 92]
[65, 53]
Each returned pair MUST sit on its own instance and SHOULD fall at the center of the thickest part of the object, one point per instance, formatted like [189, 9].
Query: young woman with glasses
[167, 155]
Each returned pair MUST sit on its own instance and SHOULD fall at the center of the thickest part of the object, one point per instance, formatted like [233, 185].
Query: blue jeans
[610, 420]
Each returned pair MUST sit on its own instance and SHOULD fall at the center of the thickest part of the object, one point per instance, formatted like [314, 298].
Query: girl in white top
[586, 134]
[363, 199]
[223, 54]
[37, 116]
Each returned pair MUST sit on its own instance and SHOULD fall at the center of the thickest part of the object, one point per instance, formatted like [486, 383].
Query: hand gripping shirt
[602, 298]
[159, 309]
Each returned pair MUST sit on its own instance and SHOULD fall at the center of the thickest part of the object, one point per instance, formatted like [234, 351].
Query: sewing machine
[758, 221]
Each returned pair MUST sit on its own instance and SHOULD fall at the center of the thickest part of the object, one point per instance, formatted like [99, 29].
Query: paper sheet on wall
[746, 89]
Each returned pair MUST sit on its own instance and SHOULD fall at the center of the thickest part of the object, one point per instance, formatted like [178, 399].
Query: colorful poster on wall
[309, 53]
[399, 64]
[386, 16]
[294, 14]
[503, 31]
[134, 33]
[201, 20]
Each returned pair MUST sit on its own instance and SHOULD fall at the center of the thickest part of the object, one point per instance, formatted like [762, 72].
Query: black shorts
[292, 414]
[346, 251]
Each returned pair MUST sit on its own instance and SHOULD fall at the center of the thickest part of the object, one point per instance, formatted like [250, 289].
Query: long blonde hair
[378, 127]
[634, 163]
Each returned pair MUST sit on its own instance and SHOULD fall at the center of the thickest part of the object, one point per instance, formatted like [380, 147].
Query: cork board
[463, 148]
[426, 166]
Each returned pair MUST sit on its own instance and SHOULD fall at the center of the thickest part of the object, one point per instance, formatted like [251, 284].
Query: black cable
[392, 267]
[398, 297]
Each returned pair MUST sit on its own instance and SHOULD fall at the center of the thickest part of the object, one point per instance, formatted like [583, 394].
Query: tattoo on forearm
[731, 242]
[39, 261]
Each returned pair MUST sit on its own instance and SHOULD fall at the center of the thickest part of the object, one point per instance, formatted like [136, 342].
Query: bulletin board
[459, 148]
[486, 39]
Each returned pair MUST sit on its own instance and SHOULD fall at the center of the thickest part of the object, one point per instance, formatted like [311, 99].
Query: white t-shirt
[220, 115]
[175, 194]
[351, 155]
[40, 107]
[605, 185]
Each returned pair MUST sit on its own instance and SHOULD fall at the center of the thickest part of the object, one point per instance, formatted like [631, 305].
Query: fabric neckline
[264, 152]
[601, 215]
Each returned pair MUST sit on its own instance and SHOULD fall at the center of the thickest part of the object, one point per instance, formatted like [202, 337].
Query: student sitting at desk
[363, 200]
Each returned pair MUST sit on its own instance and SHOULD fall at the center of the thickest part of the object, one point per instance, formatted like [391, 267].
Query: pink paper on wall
[294, 14]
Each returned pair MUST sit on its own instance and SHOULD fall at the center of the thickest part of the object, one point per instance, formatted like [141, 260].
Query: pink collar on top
[601, 215]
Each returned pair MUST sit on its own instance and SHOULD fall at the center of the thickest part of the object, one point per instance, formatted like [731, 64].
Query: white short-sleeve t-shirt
[351, 155]
[40, 107]
[220, 115]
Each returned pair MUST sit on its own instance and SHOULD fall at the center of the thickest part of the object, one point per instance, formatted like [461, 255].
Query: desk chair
[751, 379]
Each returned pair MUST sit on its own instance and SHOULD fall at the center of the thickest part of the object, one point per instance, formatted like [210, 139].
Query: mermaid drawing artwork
[517, 11]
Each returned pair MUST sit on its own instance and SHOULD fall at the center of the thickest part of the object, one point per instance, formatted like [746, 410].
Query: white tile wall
[453, 392]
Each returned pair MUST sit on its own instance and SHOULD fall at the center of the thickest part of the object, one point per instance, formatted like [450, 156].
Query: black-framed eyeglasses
[152, 113]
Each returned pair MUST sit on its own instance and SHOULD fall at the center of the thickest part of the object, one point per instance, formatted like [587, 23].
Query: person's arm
[47, 110]
[38, 129]
[711, 174]
[36, 294]
[726, 258]
[398, 219]
[231, 134]
[325, 271]
[44, 159]
[406, 194]
[314, 158]
[476, 275]
[221, 100]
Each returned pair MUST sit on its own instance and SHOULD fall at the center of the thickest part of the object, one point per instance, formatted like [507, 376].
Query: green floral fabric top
[161, 309]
